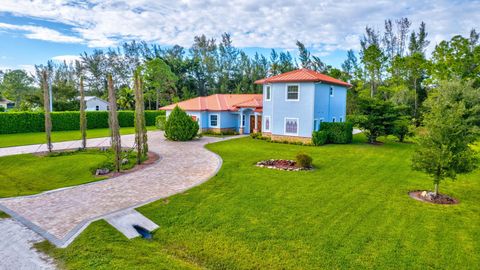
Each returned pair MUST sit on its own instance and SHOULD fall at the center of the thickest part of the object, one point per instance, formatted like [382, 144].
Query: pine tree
[83, 116]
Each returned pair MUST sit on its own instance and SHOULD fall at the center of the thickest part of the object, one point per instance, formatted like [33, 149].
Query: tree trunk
[46, 106]
[83, 116]
[140, 129]
[416, 99]
[436, 190]
[158, 99]
[116, 144]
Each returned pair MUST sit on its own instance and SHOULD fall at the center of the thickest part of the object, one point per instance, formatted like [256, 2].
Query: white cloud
[41, 33]
[69, 59]
[325, 26]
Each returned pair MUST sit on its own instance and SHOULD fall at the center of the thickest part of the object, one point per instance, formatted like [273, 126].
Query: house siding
[278, 108]
[328, 107]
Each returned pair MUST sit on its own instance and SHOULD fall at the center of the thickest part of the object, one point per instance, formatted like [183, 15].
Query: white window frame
[334, 119]
[244, 120]
[285, 126]
[265, 126]
[268, 92]
[210, 120]
[332, 91]
[316, 122]
[286, 91]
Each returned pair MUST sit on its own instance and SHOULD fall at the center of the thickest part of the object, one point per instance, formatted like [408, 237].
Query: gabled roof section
[302, 75]
[219, 102]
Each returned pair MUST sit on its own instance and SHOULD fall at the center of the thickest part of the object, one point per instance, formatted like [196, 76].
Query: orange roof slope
[302, 75]
[219, 102]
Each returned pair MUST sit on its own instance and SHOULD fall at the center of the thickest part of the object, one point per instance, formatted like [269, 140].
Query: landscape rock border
[427, 196]
[281, 164]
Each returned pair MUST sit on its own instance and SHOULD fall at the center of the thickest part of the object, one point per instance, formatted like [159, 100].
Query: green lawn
[8, 140]
[30, 174]
[352, 211]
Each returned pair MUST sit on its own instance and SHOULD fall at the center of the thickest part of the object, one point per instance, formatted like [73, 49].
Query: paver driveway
[61, 215]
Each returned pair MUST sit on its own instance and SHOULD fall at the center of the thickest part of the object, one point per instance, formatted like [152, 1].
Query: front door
[252, 123]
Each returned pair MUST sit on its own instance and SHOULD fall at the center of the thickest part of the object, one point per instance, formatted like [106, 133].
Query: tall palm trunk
[83, 116]
[116, 144]
[140, 129]
[46, 106]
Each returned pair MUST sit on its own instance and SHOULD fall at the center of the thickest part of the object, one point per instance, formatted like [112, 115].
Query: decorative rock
[424, 193]
[124, 161]
[102, 171]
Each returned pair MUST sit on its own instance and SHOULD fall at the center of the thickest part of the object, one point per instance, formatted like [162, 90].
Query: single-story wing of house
[6, 104]
[224, 112]
[293, 105]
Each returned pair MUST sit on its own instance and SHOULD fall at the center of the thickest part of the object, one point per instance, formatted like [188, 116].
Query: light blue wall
[227, 119]
[279, 108]
[328, 107]
[314, 102]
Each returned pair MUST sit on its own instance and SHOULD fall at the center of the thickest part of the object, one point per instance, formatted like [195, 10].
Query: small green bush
[227, 132]
[338, 133]
[319, 137]
[304, 160]
[180, 126]
[402, 129]
[160, 122]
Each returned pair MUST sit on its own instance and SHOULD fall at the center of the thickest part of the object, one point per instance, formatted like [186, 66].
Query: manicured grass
[8, 140]
[352, 211]
[30, 174]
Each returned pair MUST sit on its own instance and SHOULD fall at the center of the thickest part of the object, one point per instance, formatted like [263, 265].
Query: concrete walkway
[61, 215]
[16, 251]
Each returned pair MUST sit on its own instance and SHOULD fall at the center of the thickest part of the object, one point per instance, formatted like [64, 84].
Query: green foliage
[376, 117]
[160, 122]
[303, 160]
[451, 125]
[319, 137]
[23, 122]
[224, 133]
[180, 126]
[338, 133]
[402, 128]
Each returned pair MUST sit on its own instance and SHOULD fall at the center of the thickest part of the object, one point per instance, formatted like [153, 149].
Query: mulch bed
[152, 158]
[281, 164]
[427, 196]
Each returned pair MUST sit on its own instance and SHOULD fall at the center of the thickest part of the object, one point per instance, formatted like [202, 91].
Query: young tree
[46, 106]
[140, 129]
[451, 126]
[16, 85]
[83, 115]
[116, 144]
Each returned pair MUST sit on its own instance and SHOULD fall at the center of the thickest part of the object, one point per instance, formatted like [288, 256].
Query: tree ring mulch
[429, 197]
[281, 164]
[151, 159]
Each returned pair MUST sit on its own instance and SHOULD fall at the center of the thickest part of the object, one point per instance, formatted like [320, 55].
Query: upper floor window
[268, 92]
[331, 91]
[293, 92]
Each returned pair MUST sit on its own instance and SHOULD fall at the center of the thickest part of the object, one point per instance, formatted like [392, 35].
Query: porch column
[241, 129]
[255, 129]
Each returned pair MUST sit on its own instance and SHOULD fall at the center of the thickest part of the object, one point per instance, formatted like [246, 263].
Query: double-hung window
[293, 92]
[268, 93]
[214, 120]
[331, 91]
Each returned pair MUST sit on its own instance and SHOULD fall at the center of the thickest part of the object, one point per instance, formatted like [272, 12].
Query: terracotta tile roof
[219, 102]
[302, 75]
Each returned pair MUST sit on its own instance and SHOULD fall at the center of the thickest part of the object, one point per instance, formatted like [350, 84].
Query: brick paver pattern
[182, 166]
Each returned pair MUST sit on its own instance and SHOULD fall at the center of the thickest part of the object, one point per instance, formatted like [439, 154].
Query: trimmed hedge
[23, 122]
[319, 137]
[336, 133]
[180, 126]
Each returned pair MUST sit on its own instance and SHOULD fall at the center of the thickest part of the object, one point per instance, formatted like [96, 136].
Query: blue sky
[33, 32]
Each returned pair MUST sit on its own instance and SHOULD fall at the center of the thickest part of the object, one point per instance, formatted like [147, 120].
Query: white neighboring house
[94, 103]
[6, 104]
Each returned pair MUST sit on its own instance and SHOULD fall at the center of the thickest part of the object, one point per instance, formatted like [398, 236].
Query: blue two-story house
[295, 104]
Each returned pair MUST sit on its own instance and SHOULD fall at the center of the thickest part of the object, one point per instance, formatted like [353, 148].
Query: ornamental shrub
[304, 160]
[22, 122]
[338, 133]
[319, 137]
[402, 129]
[180, 126]
[160, 122]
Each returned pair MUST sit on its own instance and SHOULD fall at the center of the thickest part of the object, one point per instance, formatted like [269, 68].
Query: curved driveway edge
[61, 215]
